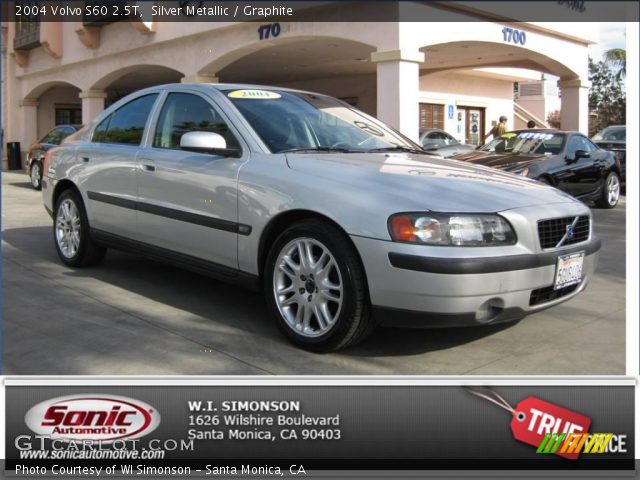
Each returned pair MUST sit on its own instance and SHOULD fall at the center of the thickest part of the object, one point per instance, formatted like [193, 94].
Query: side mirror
[576, 156]
[207, 142]
[582, 154]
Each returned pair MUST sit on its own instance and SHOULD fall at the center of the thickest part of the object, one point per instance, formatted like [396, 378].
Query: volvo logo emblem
[570, 231]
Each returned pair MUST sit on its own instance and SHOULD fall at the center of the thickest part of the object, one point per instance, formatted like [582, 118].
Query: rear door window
[126, 124]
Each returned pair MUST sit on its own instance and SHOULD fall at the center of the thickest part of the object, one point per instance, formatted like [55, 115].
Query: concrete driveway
[131, 316]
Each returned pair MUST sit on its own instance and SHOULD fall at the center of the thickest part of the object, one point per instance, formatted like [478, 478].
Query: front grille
[547, 294]
[551, 231]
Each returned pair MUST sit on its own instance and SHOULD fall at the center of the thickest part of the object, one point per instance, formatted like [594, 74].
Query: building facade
[456, 75]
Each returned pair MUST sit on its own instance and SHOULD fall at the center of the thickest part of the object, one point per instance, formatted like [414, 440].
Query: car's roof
[227, 86]
[544, 130]
[614, 126]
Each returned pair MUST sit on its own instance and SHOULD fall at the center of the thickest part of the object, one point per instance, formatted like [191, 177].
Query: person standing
[498, 129]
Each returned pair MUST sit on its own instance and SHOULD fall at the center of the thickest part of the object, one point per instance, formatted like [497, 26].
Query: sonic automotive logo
[99, 417]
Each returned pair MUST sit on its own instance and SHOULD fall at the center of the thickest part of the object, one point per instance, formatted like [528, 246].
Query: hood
[612, 144]
[498, 160]
[424, 182]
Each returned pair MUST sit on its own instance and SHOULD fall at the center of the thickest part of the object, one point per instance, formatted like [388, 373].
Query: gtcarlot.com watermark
[43, 447]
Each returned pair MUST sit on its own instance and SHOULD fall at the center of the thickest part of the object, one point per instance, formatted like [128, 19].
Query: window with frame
[186, 112]
[578, 142]
[126, 124]
[431, 116]
[68, 116]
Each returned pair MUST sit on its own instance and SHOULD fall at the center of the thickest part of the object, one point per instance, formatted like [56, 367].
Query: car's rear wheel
[315, 287]
[610, 192]
[71, 232]
[35, 173]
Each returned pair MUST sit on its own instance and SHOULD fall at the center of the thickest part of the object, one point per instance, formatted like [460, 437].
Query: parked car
[566, 160]
[342, 221]
[440, 142]
[36, 152]
[614, 139]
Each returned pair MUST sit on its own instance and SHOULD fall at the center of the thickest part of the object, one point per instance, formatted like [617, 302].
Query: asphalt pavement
[133, 316]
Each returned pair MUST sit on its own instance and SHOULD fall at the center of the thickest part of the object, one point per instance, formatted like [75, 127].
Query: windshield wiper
[399, 148]
[318, 149]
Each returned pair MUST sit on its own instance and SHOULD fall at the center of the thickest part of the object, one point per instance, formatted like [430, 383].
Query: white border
[632, 328]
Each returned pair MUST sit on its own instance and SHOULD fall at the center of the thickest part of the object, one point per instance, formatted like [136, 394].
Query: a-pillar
[398, 85]
[28, 125]
[92, 104]
[574, 113]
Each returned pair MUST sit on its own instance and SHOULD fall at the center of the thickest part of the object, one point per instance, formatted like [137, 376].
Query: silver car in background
[341, 221]
[440, 142]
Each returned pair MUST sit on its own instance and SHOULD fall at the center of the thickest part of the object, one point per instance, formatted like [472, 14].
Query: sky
[612, 35]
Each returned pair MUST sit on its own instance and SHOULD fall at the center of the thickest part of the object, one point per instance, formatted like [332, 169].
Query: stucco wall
[461, 89]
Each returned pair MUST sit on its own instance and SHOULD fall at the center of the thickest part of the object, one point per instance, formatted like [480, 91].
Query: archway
[466, 85]
[335, 66]
[126, 80]
[52, 103]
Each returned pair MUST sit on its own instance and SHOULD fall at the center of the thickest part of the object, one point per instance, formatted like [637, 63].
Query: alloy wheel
[308, 287]
[613, 189]
[35, 175]
[68, 228]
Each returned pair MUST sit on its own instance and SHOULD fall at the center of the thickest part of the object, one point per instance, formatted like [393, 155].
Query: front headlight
[451, 229]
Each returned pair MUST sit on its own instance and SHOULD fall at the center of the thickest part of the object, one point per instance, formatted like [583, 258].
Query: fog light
[489, 310]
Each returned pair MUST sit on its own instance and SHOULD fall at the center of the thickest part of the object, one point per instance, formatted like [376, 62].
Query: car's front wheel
[610, 191]
[35, 173]
[315, 287]
[73, 242]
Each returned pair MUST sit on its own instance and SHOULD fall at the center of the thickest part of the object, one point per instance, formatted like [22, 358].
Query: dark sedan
[567, 160]
[35, 156]
[614, 139]
[440, 142]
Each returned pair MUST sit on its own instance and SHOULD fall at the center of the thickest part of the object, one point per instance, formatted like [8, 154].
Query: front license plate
[569, 270]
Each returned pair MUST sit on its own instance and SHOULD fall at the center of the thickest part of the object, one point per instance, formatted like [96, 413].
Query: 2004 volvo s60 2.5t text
[341, 220]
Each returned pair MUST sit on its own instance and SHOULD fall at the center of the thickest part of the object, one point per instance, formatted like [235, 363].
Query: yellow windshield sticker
[254, 94]
[508, 135]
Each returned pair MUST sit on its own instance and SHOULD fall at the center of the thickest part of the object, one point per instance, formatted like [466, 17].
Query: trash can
[14, 161]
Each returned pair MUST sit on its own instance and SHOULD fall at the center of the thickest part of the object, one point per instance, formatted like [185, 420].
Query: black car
[566, 160]
[37, 151]
[614, 139]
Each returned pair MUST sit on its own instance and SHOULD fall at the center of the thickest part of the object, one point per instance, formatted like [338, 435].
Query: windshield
[288, 121]
[526, 143]
[611, 134]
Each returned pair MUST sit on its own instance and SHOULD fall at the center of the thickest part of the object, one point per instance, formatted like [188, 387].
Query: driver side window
[185, 112]
[579, 143]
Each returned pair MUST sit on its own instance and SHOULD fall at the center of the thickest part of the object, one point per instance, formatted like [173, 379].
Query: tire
[610, 192]
[71, 235]
[336, 309]
[35, 174]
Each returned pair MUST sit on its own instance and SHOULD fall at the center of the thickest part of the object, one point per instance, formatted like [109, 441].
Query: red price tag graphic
[534, 418]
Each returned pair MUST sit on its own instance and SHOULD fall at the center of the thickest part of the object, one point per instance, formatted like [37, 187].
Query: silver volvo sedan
[342, 221]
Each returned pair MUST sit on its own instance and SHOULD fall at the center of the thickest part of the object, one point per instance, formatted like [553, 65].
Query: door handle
[149, 168]
[85, 159]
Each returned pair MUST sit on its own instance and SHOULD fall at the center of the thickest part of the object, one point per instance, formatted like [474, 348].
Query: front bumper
[410, 286]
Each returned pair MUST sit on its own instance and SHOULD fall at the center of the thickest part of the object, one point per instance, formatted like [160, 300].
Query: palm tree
[617, 58]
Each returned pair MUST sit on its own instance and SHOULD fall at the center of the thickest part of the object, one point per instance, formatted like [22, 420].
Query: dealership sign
[98, 417]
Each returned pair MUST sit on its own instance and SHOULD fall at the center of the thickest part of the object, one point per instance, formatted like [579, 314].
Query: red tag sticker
[535, 418]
